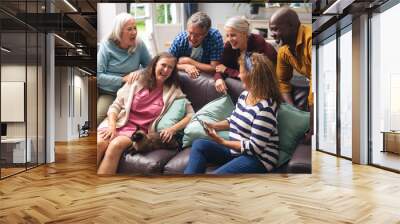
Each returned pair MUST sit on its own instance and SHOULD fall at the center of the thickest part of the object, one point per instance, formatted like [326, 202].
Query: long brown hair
[149, 78]
[261, 80]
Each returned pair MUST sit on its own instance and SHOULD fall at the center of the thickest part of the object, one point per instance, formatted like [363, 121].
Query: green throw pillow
[175, 113]
[216, 110]
[292, 125]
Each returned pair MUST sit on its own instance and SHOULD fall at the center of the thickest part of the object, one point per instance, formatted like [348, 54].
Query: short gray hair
[119, 23]
[238, 23]
[200, 19]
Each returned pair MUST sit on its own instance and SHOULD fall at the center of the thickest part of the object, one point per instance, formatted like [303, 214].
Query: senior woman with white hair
[239, 41]
[118, 56]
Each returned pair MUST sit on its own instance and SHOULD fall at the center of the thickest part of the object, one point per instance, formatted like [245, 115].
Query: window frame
[333, 37]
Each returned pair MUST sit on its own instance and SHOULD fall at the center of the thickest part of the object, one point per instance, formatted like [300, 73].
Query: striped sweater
[256, 129]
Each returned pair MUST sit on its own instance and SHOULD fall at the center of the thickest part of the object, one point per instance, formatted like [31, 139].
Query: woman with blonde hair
[118, 56]
[253, 135]
[239, 41]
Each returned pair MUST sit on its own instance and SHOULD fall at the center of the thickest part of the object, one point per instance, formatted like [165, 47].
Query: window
[157, 23]
[334, 106]
[346, 93]
[394, 102]
[22, 68]
[166, 21]
[166, 13]
[326, 96]
[163, 13]
[141, 12]
[385, 84]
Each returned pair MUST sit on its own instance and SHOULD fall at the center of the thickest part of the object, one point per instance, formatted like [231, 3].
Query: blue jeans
[206, 151]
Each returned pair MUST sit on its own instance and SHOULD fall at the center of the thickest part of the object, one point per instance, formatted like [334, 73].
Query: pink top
[146, 107]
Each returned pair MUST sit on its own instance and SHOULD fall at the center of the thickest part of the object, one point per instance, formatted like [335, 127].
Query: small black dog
[142, 142]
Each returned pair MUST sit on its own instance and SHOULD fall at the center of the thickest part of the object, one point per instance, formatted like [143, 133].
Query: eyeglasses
[196, 35]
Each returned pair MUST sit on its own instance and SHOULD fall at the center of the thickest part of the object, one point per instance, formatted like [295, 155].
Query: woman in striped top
[253, 135]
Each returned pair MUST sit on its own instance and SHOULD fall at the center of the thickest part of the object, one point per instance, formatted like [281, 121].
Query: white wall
[61, 103]
[70, 84]
[81, 104]
[105, 15]
[220, 12]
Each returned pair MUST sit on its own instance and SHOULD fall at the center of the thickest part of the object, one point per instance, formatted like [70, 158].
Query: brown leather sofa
[200, 91]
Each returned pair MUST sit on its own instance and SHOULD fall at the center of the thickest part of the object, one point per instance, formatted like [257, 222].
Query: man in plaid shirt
[198, 49]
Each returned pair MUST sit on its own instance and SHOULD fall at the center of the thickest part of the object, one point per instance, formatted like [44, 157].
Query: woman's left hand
[167, 134]
[110, 133]
[214, 136]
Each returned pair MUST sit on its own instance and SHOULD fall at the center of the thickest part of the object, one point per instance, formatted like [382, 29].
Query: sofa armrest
[301, 160]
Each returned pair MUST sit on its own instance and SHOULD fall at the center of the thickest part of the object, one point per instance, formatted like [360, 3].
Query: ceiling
[330, 15]
[77, 27]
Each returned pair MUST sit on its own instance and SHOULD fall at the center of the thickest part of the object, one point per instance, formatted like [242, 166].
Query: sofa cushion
[216, 110]
[235, 88]
[198, 91]
[175, 113]
[145, 163]
[292, 125]
[178, 164]
[301, 160]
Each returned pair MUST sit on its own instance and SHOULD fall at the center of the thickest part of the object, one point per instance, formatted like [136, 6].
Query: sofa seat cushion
[178, 164]
[145, 163]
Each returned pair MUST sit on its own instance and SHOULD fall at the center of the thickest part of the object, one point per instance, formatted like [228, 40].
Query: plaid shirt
[212, 44]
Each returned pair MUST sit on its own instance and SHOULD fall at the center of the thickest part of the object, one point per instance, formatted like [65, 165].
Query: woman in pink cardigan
[140, 105]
